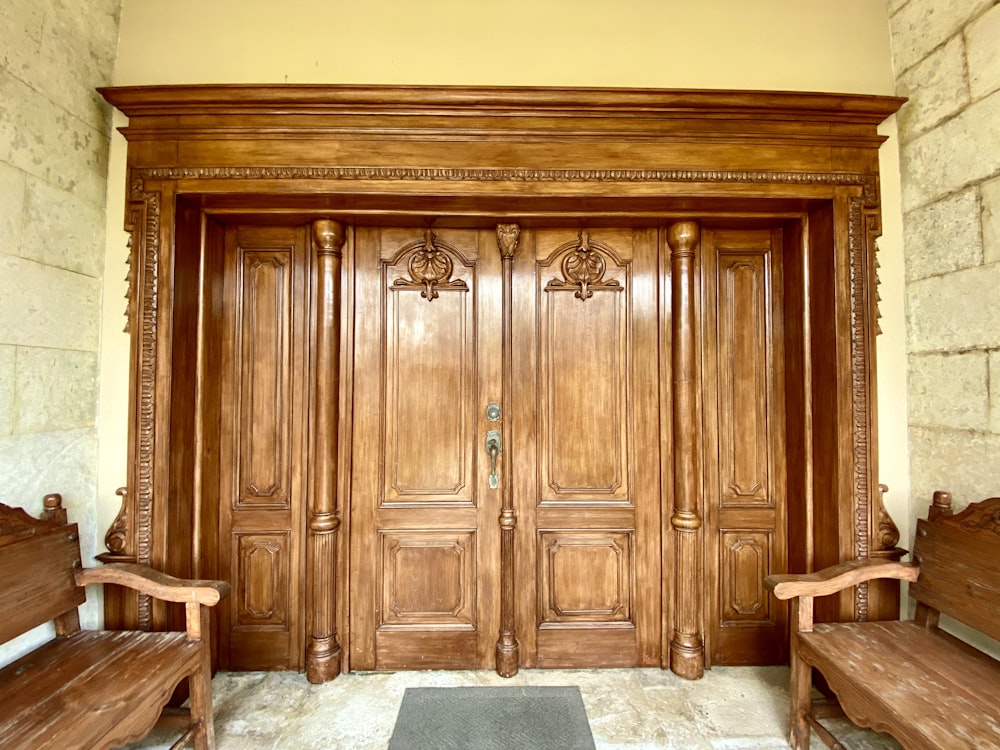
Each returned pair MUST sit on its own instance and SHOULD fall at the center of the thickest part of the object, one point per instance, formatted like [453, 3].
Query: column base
[687, 659]
[507, 658]
[322, 660]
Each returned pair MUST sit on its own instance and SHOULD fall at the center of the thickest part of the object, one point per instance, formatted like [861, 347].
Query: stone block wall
[947, 61]
[54, 133]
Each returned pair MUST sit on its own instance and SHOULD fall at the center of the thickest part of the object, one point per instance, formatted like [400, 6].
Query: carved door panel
[424, 534]
[263, 393]
[586, 448]
[744, 444]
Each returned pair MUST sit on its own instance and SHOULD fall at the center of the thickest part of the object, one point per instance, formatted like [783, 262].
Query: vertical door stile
[323, 653]
[687, 650]
[507, 647]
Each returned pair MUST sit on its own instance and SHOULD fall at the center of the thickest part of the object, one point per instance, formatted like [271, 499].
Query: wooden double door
[516, 431]
[578, 450]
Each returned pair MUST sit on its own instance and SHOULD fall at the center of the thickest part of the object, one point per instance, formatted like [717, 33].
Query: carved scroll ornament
[584, 268]
[430, 267]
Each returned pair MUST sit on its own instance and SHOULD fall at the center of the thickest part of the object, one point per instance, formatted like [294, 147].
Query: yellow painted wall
[820, 45]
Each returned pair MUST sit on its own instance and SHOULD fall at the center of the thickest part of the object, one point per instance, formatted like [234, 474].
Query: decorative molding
[860, 407]
[873, 228]
[868, 183]
[583, 268]
[145, 212]
[430, 266]
[130, 291]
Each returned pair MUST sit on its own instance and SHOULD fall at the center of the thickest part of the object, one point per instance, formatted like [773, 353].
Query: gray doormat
[492, 718]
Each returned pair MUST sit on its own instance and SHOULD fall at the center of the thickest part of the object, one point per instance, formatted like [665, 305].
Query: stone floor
[731, 708]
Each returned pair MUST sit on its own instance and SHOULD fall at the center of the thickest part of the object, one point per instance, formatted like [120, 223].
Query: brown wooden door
[744, 407]
[586, 448]
[424, 541]
[582, 453]
[263, 420]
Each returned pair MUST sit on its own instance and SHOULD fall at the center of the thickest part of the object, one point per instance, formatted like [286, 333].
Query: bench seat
[928, 689]
[94, 690]
[932, 687]
[97, 677]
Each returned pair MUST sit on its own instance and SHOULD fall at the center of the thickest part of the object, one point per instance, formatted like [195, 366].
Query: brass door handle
[493, 449]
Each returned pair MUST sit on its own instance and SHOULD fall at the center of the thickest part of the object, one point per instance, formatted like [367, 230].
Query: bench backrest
[37, 563]
[959, 559]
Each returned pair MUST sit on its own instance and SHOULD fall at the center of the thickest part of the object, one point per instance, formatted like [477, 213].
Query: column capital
[328, 236]
[507, 239]
[683, 237]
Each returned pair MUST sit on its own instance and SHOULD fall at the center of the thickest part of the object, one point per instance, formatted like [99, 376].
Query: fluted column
[507, 648]
[322, 649]
[687, 648]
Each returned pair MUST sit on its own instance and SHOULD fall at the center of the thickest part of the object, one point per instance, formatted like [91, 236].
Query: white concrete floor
[731, 708]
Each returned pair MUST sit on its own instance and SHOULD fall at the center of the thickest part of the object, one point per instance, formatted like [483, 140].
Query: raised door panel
[262, 444]
[587, 458]
[423, 564]
[744, 416]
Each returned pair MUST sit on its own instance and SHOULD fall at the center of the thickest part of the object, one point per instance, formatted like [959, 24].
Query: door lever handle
[493, 449]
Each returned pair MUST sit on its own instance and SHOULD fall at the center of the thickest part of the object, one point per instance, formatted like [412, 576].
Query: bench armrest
[145, 580]
[838, 577]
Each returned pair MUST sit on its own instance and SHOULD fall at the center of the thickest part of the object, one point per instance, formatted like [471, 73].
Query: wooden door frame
[353, 154]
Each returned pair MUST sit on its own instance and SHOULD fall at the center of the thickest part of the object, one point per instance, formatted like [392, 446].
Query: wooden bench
[908, 678]
[90, 689]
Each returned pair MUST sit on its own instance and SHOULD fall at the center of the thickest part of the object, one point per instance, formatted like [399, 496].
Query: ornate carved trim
[130, 292]
[873, 230]
[430, 266]
[508, 235]
[860, 407]
[116, 540]
[981, 516]
[868, 183]
[583, 268]
[147, 206]
[15, 523]
[887, 536]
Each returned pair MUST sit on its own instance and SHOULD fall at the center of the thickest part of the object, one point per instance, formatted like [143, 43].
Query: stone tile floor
[731, 708]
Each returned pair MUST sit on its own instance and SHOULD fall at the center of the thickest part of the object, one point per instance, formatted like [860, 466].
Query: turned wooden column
[687, 648]
[322, 648]
[507, 649]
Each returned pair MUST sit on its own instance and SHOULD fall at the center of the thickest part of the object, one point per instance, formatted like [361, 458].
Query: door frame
[513, 155]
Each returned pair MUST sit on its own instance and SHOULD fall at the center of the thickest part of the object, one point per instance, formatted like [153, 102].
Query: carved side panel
[585, 365]
[583, 361]
[603, 595]
[745, 560]
[262, 581]
[428, 578]
[263, 398]
[263, 421]
[744, 443]
[430, 376]
[743, 393]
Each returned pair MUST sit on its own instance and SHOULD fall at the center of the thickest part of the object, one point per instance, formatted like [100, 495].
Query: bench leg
[201, 708]
[800, 698]
[200, 699]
